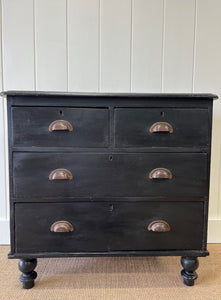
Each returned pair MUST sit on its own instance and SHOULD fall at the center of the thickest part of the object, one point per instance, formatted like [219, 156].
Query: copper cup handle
[62, 226]
[160, 173]
[159, 226]
[161, 127]
[60, 174]
[60, 125]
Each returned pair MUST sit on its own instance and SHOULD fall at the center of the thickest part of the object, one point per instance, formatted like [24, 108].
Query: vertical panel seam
[34, 47]
[163, 46]
[2, 80]
[131, 43]
[6, 159]
[67, 48]
[3, 121]
[5, 149]
[218, 161]
[218, 215]
[194, 47]
[99, 45]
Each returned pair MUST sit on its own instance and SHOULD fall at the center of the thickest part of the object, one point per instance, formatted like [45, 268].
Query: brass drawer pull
[160, 173]
[60, 125]
[161, 127]
[60, 174]
[61, 226]
[159, 226]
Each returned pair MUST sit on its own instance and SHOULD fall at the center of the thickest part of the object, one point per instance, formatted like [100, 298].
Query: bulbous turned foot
[26, 266]
[190, 264]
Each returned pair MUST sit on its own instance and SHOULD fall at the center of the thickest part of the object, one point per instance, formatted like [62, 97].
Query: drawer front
[113, 175]
[97, 228]
[75, 127]
[154, 127]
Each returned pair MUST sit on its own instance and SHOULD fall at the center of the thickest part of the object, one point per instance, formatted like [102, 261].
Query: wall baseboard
[214, 232]
[4, 232]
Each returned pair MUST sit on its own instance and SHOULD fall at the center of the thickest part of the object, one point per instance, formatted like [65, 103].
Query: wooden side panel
[50, 43]
[147, 43]
[115, 45]
[83, 45]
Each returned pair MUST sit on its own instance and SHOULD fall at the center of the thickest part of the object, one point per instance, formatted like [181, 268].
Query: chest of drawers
[108, 175]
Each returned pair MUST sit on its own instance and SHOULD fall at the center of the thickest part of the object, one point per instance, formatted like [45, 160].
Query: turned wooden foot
[26, 266]
[190, 264]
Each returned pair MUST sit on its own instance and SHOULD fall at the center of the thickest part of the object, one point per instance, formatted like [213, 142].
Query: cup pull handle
[60, 174]
[161, 127]
[61, 226]
[60, 125]
[160, 173]
[159, 226]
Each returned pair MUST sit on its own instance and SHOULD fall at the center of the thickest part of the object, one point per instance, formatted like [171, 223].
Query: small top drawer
[166, 127]
[60, 126]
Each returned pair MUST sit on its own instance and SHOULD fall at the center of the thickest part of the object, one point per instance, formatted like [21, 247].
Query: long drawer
[165, 127]
[93, 226]
[60, 127]
[109, 175]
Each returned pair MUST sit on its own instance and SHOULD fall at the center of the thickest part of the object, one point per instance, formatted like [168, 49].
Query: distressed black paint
[110, 152]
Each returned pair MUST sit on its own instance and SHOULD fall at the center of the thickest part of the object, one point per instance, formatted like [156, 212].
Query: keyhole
[61, 113]
[111, 207]
[110, 157]
[162, 113]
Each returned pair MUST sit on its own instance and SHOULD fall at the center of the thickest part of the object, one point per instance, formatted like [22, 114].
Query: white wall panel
[147, 32]
[2, 148]
[115, 48]
[18, 44]
[1, 73]
[208, 46]
[4, 177]
[208, 79]
[214, 229]
[178, 45]
[83, 45]
[4, 201]
[51, 45]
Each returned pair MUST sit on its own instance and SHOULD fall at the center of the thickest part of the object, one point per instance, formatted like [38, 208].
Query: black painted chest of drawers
[108, 174]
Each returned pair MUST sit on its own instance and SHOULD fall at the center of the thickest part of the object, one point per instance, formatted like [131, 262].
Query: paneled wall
[112, 45]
